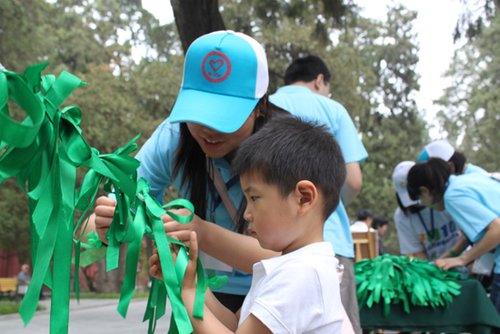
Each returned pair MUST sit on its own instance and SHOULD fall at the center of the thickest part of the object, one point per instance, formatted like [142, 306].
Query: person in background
[363, 221]
[425, 233]
[289, 195]
[472, 201]
[306, 94]
[442, 149]
[23, 279]
[380, 224]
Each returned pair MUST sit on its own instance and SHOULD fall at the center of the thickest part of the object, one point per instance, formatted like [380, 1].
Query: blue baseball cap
[225, 75]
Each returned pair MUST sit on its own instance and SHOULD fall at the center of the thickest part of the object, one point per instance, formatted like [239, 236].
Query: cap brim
[222, 113]
[405, 199]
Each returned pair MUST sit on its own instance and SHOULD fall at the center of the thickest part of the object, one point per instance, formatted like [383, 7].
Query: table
[471, 312]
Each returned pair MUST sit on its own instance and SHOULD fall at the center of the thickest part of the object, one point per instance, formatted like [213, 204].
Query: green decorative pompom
[391, 279]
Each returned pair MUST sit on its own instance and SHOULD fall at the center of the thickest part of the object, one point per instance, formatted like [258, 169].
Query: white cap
[399, 179]
[437, 149]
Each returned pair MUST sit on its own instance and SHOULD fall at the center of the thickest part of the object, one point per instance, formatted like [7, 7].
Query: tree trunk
[195, 18]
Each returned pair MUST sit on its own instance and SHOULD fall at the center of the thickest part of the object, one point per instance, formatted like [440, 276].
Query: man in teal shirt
[306, 95]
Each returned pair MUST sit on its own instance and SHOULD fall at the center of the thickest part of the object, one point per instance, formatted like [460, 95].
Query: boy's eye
[253, 198]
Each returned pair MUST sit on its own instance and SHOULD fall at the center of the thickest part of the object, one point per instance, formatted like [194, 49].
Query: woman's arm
[236, 250]
[458, 248]
[489, 241]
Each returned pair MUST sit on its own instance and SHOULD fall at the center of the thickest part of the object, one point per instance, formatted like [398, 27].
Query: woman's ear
[307, 195]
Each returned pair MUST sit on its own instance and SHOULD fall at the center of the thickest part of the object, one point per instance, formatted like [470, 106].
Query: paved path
[96, 316]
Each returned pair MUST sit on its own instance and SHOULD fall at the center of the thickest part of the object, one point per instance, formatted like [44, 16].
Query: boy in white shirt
[291, 173]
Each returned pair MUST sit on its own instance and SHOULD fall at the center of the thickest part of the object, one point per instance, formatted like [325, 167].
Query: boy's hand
[189, 283]
[190, 274]
[155, 265]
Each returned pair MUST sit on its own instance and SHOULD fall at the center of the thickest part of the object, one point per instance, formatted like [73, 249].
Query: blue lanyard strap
[431, 234]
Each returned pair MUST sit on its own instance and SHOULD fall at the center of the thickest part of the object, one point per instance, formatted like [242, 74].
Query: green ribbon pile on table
[43, 152]
[391, 279]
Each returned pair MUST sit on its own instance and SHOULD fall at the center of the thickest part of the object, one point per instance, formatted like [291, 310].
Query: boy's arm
[216, 317]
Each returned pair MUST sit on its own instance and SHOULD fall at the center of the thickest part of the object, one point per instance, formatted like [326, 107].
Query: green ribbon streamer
[43, 152]
[149, 212]
[391, 279]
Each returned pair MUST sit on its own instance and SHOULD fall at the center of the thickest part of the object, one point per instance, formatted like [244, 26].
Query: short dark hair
[306, 69]
[287, 150]
[379, 222]
[364, 214]
[432, 174]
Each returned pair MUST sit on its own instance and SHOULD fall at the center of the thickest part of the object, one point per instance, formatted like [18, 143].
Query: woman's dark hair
[191, 159]
[432, 174]
[458, 160]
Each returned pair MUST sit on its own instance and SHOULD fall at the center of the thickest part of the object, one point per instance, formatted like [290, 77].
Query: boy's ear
[307, 195]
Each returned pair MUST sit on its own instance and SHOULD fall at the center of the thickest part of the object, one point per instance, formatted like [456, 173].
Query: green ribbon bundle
[391, 279]
[43, 152]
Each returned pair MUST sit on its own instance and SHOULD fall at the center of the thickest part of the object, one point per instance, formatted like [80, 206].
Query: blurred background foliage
[134, 68]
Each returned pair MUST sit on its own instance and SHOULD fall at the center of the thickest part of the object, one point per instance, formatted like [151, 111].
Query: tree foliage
[372, 64]
[470, 111]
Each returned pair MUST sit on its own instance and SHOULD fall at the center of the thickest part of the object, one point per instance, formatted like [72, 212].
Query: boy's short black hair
[363, 214]
[306, 69]
[287, 150]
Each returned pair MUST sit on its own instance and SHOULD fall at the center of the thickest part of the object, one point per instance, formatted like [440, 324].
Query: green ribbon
[391, 279]
[44, 152]
[149, 214]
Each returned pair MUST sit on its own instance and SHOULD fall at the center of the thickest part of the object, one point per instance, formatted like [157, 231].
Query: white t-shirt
[430, 231]
[360, 226]
[297, 293]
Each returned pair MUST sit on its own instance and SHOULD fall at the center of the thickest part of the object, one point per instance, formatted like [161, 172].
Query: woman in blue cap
[472, 201]
[221, 102]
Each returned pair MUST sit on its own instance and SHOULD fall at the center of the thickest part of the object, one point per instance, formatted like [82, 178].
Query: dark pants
[232, 302]
[495, 291]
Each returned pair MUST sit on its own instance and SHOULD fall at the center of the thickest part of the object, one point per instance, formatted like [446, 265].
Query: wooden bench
[8, 287]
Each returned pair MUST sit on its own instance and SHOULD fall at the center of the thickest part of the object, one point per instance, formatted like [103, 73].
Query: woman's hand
[450, 262]
[103, 216]
[182, 232]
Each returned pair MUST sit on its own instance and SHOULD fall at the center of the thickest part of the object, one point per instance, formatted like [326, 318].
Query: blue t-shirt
[157, 157]
[470, 168]
[473, 201]
[307, 105]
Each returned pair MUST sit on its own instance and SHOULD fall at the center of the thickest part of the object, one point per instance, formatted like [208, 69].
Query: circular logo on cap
[216, 66]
